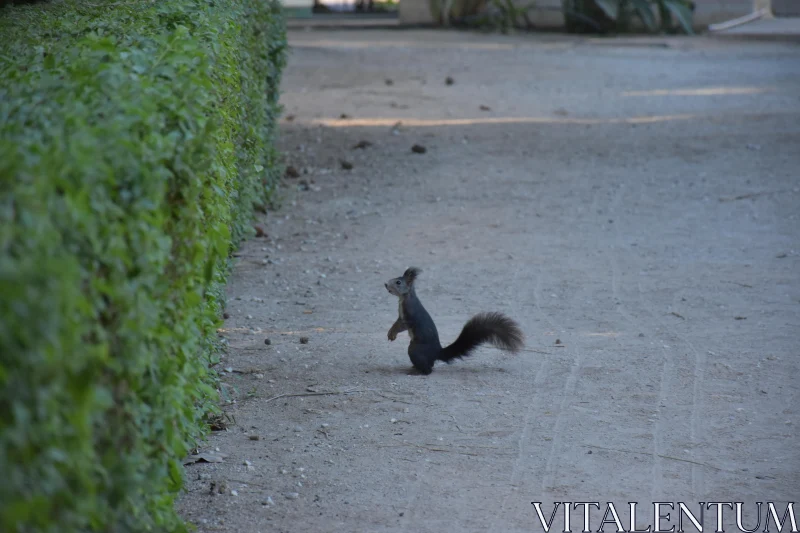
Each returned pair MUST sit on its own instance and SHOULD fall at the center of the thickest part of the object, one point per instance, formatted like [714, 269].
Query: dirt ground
[633, 204]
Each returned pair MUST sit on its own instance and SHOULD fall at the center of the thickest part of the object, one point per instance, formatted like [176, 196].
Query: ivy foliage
[601, 16]
[135, 139]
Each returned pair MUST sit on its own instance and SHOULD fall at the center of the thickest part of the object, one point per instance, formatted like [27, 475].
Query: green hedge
[135, 139]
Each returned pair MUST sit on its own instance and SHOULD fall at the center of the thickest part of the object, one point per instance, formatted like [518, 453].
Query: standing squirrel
[425, 348]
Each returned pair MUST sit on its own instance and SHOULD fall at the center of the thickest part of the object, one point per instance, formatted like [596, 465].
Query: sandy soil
[634, 204]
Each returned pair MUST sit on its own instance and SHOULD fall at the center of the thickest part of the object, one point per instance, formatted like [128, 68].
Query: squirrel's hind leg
[423, 356]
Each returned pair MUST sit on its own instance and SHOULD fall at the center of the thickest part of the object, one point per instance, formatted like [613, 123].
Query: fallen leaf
[206, 457]
[292, 172]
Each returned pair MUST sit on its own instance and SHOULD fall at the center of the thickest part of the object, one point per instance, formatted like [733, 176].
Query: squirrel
[425, 348]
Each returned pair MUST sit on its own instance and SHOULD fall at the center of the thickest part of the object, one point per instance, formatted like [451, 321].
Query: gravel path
[633, 204]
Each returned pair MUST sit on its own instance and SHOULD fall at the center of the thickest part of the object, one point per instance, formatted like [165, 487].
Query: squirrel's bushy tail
[494, 328]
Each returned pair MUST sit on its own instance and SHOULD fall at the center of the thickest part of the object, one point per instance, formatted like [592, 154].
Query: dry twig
[329, 393]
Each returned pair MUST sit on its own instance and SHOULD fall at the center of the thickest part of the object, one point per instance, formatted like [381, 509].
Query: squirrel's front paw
[392, 335]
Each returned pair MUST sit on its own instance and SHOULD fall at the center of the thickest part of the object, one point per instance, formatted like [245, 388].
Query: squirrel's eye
[397, 282]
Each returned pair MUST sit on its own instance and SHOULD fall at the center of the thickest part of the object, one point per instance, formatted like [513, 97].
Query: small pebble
[267, 341]
[418, 149]
[449, 81]
[303, 340]
[291, 495]
[268, 501]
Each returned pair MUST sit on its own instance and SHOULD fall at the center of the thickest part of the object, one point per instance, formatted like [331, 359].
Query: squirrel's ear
[411, 274]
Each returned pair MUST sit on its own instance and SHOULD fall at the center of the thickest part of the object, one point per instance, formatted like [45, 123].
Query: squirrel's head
[404, 284]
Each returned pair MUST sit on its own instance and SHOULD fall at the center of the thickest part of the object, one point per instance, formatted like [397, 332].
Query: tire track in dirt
[698, 380]
[411, 504]
[523, 442]
[666, 382]
[558, 432]
[698, 401]
[698, 375]
[663, 380]
[574, 352]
